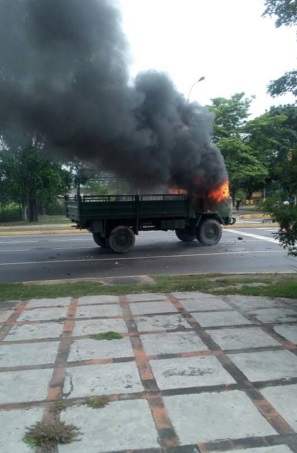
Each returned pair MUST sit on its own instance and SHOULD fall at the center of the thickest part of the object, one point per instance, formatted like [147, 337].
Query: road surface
[66, 256]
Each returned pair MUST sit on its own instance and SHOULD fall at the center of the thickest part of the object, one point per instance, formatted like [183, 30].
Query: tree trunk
[33, 213]
[24, 215]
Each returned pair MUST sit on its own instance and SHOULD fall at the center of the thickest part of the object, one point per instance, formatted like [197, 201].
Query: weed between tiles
[106, 336]
[98, 402]
[50, 434]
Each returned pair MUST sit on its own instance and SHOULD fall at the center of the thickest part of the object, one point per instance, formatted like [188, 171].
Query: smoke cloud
[64, 77]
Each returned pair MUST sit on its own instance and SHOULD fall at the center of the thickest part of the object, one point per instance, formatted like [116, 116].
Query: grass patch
[274, 285]
[97, 402]
[280, 289]
[106, 336]
[50, 434]
[42, 220]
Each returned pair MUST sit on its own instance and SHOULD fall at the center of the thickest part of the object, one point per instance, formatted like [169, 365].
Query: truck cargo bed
[108, 207]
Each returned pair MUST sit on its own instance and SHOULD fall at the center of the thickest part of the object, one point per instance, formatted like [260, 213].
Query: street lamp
[195, 83]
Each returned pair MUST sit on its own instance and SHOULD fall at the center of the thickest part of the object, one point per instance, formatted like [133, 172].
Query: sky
[225, 41]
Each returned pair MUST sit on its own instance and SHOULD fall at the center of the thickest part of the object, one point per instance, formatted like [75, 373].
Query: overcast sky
[226, 41]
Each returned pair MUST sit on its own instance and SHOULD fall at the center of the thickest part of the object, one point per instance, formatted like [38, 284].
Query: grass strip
[272, 285]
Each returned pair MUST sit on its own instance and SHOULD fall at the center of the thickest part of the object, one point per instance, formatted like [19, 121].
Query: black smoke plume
[64, 77]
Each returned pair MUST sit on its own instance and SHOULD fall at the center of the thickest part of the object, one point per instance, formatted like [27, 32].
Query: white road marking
[117, 258]
[255, 236]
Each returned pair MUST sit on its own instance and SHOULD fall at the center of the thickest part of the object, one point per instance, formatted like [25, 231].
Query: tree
[286, 13]
[285, 159]
[283, 169]
[246, 168]
[274, 134]
[285, 10]
[285, 84]
[230, 115]
[286, 216]
[27, 177]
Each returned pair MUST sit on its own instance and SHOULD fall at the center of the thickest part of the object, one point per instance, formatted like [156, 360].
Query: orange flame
[221, 193]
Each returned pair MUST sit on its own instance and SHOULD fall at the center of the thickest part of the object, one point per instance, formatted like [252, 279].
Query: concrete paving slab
[288, 332]
[214, 416]
[272, 315]
[4, 315]
[93, 311]
[143, 308]
[220, 318]
[89, 300]
[91, 380]
[284, 399]
[243, 337]
[88, 327]
[188, 295]
[24, 386]
[292, 302]
[35, 331]
[248, 303]
[121, 425]
[205, 304]
[160, 322]
[189, 372]
[172, 343]
[12, 355]
[201, 416]
[143, 297]
[43, 314]
[58, 301]
[266, 366]
[13, 425]
[89, 349]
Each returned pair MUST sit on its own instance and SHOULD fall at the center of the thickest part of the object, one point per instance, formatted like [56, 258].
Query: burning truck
[115, 220]
[66, 89]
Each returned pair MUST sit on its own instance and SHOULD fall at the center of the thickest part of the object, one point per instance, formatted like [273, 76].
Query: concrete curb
[238, 224]
[40, 232]
[254, 216]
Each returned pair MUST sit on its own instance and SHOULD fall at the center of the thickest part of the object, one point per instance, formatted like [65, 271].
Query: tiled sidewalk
[192, 373]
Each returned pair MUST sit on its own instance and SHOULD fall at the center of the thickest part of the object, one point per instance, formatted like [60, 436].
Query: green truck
[114, 220]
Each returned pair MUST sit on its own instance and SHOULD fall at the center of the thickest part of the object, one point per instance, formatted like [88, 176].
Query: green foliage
[29, 178]
[274, 136]
[286, 216]
[97, 402]
[230, 115]
[50, 434]
[285, 84]
[106, 336]
[286, 14]
[285, 10]
[245, 163]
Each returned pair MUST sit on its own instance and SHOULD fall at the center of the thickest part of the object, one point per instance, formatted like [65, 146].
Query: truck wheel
[185, 235]
[209, 232]
[100, 240]
[121, 239]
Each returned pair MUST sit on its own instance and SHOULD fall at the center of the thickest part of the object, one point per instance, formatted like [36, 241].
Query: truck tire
[121, 239]
[209, 232]
[100, 240]
[186, 234]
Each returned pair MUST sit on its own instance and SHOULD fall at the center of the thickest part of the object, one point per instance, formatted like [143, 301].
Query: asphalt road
[66, 256]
